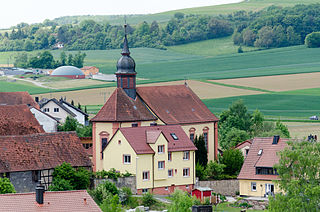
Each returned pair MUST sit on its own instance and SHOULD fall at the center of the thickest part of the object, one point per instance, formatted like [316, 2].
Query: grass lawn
[21, 86]
[213, 47]
[226, 208]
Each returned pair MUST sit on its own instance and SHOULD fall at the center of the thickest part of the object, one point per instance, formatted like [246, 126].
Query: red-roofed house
[27, 159]
[17, 98]
[244, 147]
[156, 105]
[257, 172]
[53, 201]
[161, 157]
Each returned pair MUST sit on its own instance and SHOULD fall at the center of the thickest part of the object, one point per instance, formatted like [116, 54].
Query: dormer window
[260, 152]
[174, 136]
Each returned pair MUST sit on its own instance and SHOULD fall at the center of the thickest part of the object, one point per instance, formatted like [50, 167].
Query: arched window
[104, 138]
[191, 134]
[206, 137]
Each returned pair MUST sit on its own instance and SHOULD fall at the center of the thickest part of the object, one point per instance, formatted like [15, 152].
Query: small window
[192, 137]
[146, 175]
[174, 136]
[160, 164]
[46, 110]
[119, 142]
[166, 188]
[247, 151]
[169, 156]
[260, 152]
[186, 172]
[253, 186]
[161, 149]
[187, 186]
[170, 173]
[56, 109]
[186, 155]
[104, 142]
[144, 190]
[126, 159]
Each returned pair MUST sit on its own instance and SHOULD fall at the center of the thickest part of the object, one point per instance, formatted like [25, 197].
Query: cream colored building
[257, 176]
[161, 157]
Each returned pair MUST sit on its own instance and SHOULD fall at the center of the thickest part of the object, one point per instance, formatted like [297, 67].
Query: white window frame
[145, 190]
[186, 155]
[56, 110]
[161, 167]
[145, 175]
[186, 172]
[160, 149]
[252, 185]
[126, 157]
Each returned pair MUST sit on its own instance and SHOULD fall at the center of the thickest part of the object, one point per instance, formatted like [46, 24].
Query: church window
[206, 137]
[191, 133]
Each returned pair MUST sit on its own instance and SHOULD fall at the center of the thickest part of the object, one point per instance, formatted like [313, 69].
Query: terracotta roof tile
[54, 201]
[268, 158]
[120, 107]
[41, 151]
[17, 98]
[137, 137]
[18, 120]
[176, 104]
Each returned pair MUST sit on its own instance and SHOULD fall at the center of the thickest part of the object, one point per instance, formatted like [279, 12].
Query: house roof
[72, 106]
[59, 104]
[243, 144]
[18, 120]
[54, 201]
[87, 67]
[17, 98]
[120, 107]
[46, 114]
[41, 151]
[137, 138]
[268, 158]
[176, 104]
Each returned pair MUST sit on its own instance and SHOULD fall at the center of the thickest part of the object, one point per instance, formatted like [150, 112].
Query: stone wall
[225, 187]
[22, 181]
[120, 182]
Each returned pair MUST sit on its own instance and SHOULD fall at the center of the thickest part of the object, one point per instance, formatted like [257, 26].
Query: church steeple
[126, 74]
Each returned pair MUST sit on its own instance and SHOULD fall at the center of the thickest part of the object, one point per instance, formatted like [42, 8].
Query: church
[152, 111]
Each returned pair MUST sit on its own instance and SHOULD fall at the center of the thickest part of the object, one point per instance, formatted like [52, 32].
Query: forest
[268, 28]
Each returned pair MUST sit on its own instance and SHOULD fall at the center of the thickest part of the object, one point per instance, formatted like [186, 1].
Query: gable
[175, 104]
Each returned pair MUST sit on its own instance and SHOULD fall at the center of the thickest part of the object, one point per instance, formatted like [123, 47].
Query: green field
[21, 86]
[213, 47]
[276, 105]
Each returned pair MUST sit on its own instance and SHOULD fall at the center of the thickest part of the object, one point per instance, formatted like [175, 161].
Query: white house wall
[48, 124]
[79, 116]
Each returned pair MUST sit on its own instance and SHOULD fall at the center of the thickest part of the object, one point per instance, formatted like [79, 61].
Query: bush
[148, 200]
[181, 202]
[233, 160]
[111, 204]
[6, 186]
[313, 40]
[215, 170]
[102, 191]
[201, 172]
[60, 185]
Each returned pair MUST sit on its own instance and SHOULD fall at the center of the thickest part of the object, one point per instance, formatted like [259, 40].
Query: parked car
[314, 118]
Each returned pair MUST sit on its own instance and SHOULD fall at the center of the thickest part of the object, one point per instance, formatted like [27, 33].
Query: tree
[181, 202]
[63, 58]
[283, 128]
[298, 170]
[233, 160]
[215, 170]
[111, 204]
[6, 186]
[78, 59]
[70, 124]
[233, 137]
[201, 152]
[313, 40]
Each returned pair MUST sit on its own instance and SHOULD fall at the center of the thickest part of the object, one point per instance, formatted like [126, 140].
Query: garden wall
[129, 182]
[224, 187]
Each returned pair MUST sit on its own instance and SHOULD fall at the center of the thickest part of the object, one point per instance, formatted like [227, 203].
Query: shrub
[148, 200]
[6, 186]
[313, 40]
[111, 204]
[181, 202]
[233, 160]
[60, 185]
[215, 170]
[201, 172]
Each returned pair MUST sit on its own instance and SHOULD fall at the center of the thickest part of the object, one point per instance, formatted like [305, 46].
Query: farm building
[68, 71]
[90, 70]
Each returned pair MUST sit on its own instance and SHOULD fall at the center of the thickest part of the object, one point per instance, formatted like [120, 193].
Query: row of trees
[275, 26]
[46, 60]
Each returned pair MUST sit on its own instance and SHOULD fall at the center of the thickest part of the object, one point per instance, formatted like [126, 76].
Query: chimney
[36, 99]
[39, 193]
[276, 139]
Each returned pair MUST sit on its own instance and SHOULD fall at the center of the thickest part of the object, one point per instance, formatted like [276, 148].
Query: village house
[53, 201]
[161, 157]
[28, 159]
[17, 98]
[129, 106]
[61, 109]
[244, 147]
[49, 123]
[257, 173]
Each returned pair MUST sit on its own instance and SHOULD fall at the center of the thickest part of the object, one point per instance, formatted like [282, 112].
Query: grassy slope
[213, 47]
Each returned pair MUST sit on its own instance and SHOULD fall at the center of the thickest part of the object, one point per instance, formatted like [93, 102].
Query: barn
[68, 71]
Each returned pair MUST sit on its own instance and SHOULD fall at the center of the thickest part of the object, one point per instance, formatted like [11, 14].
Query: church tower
[126, 74]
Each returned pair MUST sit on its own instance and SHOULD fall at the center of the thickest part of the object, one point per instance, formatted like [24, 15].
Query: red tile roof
[17, 98]
[41, 151]
[268, 158]
[120, 107]
[18, 120]
[137, 137]
[176, 104]
[243, 144]
[54, 201]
